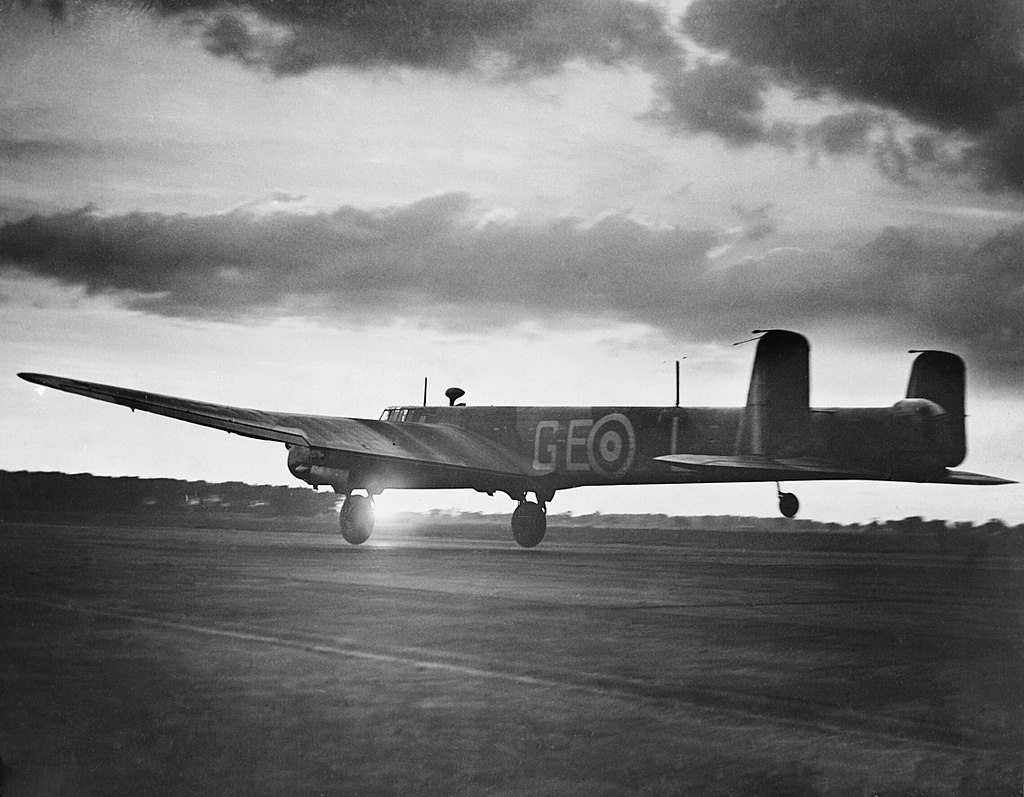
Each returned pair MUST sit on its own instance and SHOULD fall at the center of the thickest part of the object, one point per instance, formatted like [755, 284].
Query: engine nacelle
[309, 465]
[922, 438]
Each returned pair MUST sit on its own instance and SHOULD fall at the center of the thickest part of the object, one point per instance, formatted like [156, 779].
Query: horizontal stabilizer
[966, 477]
[782, 469]
[757, 468]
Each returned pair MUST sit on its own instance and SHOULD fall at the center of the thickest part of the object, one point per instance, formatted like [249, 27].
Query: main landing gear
[356, 518]
[529, 522]
[789, 505]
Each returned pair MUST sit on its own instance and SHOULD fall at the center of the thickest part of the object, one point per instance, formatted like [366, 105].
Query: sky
[311, 206]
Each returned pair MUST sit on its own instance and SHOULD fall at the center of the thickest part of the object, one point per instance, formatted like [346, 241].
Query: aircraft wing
[437, 445]
[805, 469]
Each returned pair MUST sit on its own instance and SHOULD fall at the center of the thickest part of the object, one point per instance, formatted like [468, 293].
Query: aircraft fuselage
[564, 447]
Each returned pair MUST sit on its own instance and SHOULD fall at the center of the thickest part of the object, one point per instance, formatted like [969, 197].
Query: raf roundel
[611, 445]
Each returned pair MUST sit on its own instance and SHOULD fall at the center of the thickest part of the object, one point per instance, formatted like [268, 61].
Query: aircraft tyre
[789, 505]
[356, 519]
[529, 522]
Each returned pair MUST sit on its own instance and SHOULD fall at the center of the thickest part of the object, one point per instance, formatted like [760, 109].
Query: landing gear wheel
[356, 519]
[529, 522]
[788, 504]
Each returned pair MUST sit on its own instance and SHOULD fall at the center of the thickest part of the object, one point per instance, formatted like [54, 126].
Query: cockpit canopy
[405, 415]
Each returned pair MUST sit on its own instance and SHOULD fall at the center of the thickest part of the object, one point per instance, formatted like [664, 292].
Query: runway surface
[165, 660]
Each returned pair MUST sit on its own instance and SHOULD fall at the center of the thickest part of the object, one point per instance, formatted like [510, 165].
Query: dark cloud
[949, 292]
[924, 148]
[449, 35]
[433, 259]
[425, 259]
[722, 98]
[842, 134]
[957, 65]
[953, 63]
[1000, 153]
[509, 39]
[866, 132]
[403, 259]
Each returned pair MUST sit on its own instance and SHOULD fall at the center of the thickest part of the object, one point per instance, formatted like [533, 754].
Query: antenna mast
[424, 391]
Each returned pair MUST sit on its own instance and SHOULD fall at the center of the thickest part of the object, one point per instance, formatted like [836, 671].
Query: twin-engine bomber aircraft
[520, 450]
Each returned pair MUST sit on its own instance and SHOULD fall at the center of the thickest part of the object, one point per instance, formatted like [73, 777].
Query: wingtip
[39, 379]
[56, 382]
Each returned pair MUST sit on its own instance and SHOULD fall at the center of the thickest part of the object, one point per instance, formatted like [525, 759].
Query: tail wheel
[789, 505]
[529, 522]
[356, 519]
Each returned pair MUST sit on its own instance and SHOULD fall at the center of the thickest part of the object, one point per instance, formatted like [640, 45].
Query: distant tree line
[24, 492]
[26, 495]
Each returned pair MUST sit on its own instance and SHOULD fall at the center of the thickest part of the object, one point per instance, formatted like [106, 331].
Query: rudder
[777, 418]
[941, 377]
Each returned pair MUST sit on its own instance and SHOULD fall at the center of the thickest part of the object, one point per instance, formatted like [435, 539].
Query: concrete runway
[165, 660]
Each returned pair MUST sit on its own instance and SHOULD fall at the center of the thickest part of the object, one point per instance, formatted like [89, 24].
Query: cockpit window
[405, 415]
[397, 415]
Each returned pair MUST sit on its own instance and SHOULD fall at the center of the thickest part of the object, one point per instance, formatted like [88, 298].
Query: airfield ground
[162, 660]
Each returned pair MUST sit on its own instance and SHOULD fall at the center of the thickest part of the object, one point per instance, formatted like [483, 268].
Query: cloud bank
[954, 66]
[952, 63]
[525, 36]
[435, 259]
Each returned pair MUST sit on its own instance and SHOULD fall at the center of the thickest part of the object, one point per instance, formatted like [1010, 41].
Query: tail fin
[777, 419]
[941, 377]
